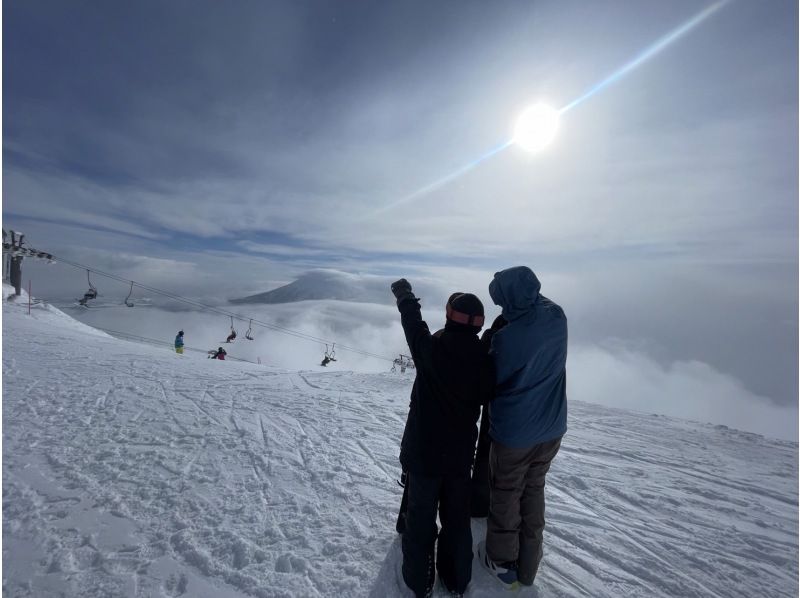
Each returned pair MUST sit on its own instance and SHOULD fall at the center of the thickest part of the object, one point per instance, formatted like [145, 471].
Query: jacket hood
[515, 290]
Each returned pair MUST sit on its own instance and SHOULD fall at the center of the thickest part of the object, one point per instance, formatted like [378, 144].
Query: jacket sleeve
[504, 366]
[416, 330]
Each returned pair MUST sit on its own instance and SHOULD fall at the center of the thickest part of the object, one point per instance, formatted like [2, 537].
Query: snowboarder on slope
[528, 420]
[220, 354]
[454, 376]
[179, 343]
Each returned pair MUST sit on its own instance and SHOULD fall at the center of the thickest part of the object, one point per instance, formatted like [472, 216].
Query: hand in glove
[499, 322]
[401, 289]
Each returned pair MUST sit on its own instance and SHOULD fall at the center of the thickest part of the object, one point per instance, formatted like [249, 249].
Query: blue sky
[240, 143]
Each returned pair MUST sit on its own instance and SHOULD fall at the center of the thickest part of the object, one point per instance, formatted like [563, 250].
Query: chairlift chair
[91, 293]
[329, 355]
[127, 301]
[232, 335]
[249, 334]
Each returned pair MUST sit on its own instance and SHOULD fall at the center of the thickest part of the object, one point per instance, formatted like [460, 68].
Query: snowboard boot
[506, 573]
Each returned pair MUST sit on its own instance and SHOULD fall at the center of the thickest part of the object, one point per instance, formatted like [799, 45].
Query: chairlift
[404, 361]
[249, 334]
[128, 302]
[329, 355]
[232, 335]
[91, 293]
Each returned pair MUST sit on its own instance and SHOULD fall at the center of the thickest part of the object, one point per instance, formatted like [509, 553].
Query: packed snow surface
[131, 471]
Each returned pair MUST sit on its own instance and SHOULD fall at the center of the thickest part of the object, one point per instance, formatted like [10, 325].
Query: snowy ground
[131, 471]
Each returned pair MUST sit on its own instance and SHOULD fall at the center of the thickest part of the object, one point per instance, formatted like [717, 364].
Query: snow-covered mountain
[326, 284]
[131, 471]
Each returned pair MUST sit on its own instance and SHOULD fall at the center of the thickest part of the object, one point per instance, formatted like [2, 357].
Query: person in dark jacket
[220, 354]
[454, 377]
[401, 516]
[528, 420]
[479, 491]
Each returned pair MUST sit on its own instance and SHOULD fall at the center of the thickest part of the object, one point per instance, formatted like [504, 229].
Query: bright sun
[536, 127]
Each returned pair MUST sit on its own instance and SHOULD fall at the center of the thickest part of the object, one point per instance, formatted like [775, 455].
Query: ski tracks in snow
[220, 482]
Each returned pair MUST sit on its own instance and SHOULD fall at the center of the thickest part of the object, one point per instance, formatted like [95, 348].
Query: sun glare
[536, 127]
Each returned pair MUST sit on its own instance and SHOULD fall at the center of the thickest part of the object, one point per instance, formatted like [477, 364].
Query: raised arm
[418, 336]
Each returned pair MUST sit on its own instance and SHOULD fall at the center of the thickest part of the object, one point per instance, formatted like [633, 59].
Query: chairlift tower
[12, 251]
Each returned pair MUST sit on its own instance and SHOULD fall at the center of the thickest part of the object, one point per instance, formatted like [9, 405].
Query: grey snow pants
[516, 505]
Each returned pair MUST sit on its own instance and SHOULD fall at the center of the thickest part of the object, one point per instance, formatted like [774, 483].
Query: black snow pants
[449, 494]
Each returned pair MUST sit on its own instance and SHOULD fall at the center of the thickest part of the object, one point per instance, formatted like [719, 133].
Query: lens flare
[536, 127]
[647, 53]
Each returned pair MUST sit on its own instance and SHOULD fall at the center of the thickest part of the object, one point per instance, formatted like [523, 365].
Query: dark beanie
[453, 296]
[466, 309]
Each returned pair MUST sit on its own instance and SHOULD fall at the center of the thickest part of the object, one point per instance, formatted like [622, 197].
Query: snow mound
[132, 471]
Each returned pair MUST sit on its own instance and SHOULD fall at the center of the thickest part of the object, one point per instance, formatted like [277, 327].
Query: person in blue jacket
[179, 343]
[528, 418]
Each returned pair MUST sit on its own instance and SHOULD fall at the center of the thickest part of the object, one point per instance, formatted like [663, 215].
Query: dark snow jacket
[178, 341]
[530, 357]
[454, 377]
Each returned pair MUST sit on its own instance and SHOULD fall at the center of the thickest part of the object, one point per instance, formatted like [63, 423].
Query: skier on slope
[179, 343]
[454, 376]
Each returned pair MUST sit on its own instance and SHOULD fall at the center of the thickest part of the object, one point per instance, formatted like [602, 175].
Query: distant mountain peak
[326, 284]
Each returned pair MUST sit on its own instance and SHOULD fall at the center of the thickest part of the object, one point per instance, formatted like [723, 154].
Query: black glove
[486, 338]
[401, 290]
[499, 322]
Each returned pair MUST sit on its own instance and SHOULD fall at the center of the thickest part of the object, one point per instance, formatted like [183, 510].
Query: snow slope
[131, 471]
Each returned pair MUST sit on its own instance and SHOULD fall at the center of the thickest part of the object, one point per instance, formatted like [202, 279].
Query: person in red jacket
[219, 354]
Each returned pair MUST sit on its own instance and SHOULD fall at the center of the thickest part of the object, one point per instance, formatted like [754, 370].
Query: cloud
[277, 249]
[624, 378]
[309, 157]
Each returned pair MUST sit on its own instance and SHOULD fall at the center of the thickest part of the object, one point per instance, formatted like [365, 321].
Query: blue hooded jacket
[530, 356]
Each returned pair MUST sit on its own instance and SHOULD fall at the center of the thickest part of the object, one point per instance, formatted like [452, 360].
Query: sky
[222, 149]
